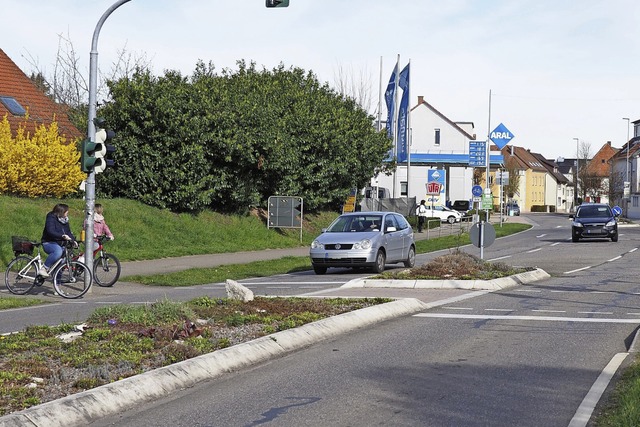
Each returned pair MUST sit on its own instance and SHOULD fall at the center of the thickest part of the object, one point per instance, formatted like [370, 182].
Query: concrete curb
[83, 408]
[492, 285]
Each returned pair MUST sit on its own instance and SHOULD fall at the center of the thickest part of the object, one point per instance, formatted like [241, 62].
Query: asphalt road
[525, 356]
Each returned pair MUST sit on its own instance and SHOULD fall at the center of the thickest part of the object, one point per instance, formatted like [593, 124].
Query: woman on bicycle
[56, 231]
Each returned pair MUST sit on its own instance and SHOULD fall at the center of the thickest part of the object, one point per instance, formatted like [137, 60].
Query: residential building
[595, 177]
[624, 168]
[21, 98]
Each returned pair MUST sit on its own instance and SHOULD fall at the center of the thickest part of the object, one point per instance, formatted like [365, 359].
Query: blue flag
[403, 116]
[390, 99]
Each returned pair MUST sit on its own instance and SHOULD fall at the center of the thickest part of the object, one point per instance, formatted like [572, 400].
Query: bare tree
[68, 83]
[357, 86]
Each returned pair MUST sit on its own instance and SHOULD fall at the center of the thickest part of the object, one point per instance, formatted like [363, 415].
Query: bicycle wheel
[69, 279]
[20, 276]
[106, 270]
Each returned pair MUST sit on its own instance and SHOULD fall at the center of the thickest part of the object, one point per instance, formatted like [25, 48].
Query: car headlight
[577, 224]
[362, 244]
[611, 223]
[317, 245]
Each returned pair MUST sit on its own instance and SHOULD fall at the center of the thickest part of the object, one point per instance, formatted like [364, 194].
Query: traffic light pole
[90, 187]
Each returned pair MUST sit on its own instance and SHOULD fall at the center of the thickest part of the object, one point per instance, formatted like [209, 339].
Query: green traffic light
[87, 157]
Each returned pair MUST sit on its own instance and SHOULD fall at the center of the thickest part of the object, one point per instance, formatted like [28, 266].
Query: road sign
[476, 190]
[501, 136]
[487, 202]
[433, 188]
[487, 239]
[503, 178]
[477, 153]
[617, 210]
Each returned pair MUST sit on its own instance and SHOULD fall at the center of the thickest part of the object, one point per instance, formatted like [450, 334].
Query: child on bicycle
[56, 231]
[100, 227]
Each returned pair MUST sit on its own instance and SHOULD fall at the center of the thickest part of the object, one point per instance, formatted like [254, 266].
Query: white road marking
[291, 283]
[549, 311]
[601, 292]
[496, 259]
[586, 408]
[633, 250]
[579, 269]
[595, 312]
[510, 317]
[613, 259]
[560, 292]
[559, 226]
[528, 290]
[458, 308]
[541, 235]
[554, 244]
[534, 250]
[498, 309]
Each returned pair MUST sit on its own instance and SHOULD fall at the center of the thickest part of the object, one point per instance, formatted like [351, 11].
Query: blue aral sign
[501, 136]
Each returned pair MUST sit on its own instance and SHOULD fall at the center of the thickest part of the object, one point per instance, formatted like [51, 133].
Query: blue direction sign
[477, 153]
[476, 191]
[501, 136]
[617, 210]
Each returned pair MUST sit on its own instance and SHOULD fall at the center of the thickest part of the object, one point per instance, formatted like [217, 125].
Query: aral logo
[501, 136]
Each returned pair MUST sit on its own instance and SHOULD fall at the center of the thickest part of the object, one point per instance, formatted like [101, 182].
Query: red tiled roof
[41, 109]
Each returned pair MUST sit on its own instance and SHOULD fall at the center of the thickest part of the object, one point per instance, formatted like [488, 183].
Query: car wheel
[380, 261]
[575, 238]
[411, 258]
[614, 238]
[451, 219]
[319, 270]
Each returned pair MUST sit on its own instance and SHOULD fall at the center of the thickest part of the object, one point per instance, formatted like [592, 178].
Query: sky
[549, 70]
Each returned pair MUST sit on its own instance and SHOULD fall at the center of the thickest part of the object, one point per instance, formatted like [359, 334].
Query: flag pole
[395, 125]
[409, 136]
[380, 99]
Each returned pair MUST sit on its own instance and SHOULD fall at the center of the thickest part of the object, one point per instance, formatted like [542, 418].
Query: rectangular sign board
[477, 153]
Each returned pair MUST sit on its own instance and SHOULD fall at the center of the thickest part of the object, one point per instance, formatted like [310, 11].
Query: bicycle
[106, 266]
[68, 276]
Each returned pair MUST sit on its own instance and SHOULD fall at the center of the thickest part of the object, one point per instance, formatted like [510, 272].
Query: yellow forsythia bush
[42, 165]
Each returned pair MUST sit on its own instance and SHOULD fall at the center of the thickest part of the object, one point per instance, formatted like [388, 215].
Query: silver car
[364, 239]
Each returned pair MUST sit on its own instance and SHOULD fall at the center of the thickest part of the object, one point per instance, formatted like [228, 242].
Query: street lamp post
[90, 187]
[628, 148]
[575, 178]
[626, 168]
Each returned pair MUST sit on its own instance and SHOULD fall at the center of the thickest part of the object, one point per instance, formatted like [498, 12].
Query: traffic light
[87, 158]
[277, 3]
[102, 146]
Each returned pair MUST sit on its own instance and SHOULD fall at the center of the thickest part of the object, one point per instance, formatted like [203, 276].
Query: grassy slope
[143, 232]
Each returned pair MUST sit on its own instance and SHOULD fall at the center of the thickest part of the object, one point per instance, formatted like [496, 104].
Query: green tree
[229, 141]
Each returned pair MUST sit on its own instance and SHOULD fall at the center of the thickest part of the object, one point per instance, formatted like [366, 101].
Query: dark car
[364, 239]
[461, 206]
[594, 220]
[512, 208]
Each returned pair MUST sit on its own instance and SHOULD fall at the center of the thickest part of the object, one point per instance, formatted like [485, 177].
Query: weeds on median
[44, 363]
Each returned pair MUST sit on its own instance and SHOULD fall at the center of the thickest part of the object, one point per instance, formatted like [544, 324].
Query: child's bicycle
[68, 276]
[106, 266]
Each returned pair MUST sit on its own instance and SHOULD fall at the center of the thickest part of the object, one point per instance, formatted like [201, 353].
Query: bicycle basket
[22, 245]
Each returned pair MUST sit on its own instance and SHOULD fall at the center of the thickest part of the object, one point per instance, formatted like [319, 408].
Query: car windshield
[355, 223]
[594, 212]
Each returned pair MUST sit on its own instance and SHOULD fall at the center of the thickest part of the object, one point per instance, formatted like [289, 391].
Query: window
[12, 105]
[403, 188]
[436, 140]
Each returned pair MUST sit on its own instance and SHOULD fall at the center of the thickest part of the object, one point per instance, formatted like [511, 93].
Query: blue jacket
[54, 229]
